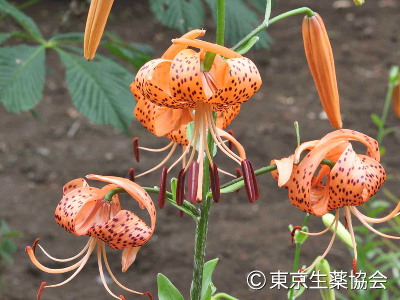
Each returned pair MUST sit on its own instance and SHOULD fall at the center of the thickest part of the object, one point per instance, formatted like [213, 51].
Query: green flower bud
[342, 233]
[359, 2]
[324, 268]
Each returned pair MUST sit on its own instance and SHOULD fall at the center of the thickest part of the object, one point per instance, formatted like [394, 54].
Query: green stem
[186, 206]
[220, 35]
[297, 256]
[385, 111]
[266, 23]
[224, 296]
[201, 228]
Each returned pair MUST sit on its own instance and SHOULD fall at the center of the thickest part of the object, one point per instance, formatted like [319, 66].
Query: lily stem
[297, 257]
[266, 23]
[202, 228]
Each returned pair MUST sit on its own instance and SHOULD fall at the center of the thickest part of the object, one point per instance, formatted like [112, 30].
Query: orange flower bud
[396, 99]
[96, 21]
[320, 60]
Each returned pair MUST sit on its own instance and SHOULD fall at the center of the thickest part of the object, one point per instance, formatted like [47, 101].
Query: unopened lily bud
[359, 2]
[342, 233]
[323, 268]
[96, 21]
[320, 60]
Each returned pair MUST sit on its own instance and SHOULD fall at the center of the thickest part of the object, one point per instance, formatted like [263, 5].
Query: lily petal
[129, 257]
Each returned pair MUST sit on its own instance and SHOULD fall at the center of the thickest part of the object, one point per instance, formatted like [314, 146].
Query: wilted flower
[86, 210]
[320, 60]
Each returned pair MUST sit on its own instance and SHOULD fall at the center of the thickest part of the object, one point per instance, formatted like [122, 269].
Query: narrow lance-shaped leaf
[99, 89]
[22, 77]
[166, 290]
[208, 270]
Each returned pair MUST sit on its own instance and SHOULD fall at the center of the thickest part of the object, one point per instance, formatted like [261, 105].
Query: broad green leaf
[22, 77]
[260, 5]
[5, 36]
[240, 21]
[26, 22]
[99, 89]
[206, 289]
[180, 14]
[166, 290]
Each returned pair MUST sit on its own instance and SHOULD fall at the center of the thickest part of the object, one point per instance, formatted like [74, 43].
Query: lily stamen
[66, 259]
[157, 149]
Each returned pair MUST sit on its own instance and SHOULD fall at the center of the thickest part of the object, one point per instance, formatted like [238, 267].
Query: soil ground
[38, 157]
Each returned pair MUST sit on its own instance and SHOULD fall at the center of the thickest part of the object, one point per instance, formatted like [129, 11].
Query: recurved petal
[124, 230]
[375, 176]
[133, 189]
[370, 143]
[347, 180]
[240, 83]
[96, 21]
[71, 204]
[128, 257]
[174, 49]
[179, 136]
[186, 78]
[74, 184]
[284, 169]
[320, 60]
[302, 194]
[225, 117]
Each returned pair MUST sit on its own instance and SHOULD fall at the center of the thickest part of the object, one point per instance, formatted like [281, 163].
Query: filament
[380, 220]
[66, 259]
[161, 163]
[157, 149]
[101, 270]
[325, 230]
[347, 213]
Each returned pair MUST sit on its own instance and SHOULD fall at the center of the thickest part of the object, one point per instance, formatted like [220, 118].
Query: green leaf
[377, 120]
[206, 288]
[135, 57]
[260, 5]
[166, 290]
[22, 77]
[180, 14]
[26, 22]
[240, 21]
[99, 89]
[69, 37]
[5, 36]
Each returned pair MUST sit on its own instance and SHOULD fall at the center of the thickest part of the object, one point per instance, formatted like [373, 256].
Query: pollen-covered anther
[193, 181]
[41, 288]
[163, 188]
[131, 174]
[214, 182]
[248, 180]
[354, 265]
[180, 189]
[148, 294]
[135, 146]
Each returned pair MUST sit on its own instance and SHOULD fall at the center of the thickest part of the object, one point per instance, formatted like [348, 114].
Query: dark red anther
[148, 294]
[121, 297]
[181, 213]
[214, 182]
[131, 174]
[35, 242]
[248, 181]
[238, 175]
[345, 222]
[193, 181]
[135, 145]
[297, 227]
[354, 263]
[230, 145]
[255, 184]
[180, 189]
[163, 188]
[40, 290]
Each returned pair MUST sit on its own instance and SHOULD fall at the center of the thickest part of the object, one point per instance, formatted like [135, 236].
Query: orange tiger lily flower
[95, 24]
[322, 66]
[318, 189]
[84, 210]
[174, 90]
